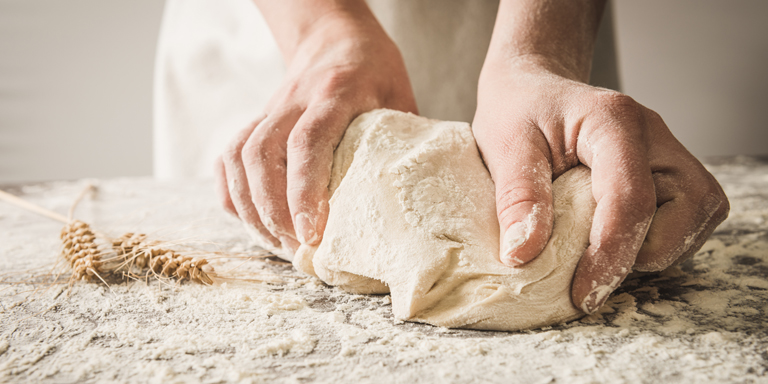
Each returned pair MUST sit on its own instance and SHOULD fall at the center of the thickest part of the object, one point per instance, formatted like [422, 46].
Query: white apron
[217, 66]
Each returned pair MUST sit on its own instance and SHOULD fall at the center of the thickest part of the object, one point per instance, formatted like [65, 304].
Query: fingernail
[305, 228]
[595, 299]
[598, 295]
[515, 236]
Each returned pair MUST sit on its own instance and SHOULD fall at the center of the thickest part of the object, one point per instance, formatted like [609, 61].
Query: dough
[413, 213]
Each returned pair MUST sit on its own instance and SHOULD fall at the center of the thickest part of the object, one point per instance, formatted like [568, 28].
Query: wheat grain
[140, 253]
[127, 247]
[130, 252]
[81, 251]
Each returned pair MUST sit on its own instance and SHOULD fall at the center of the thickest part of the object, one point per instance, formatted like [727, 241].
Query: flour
[413, 207]
[299, 343]
[704, 321]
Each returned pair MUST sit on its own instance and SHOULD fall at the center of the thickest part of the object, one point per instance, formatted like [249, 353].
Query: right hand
[275, 173]
[656, 203]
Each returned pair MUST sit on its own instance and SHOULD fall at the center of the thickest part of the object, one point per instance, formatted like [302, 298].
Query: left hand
[275, 173]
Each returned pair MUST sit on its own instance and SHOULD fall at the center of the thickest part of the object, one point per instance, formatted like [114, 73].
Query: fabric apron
[217, 66]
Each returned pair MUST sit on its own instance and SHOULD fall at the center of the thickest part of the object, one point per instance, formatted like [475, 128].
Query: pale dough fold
[413, 213]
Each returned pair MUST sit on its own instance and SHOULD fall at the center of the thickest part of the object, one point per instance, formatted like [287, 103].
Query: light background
[76, 80]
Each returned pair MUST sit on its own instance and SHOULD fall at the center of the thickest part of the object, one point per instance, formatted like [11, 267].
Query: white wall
[75, 88]
[75, 80]
[703, 65]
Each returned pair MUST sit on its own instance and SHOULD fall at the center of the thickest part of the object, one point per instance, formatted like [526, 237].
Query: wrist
[527, 64]
[556, 36]
[298, 23]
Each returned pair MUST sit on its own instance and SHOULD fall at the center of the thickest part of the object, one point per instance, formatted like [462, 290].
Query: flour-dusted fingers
[222, 187]
[237, 183]
[691, 204]
[310, 158]
[718, 216]
[264, 160]
[683, 222]
[612, 143]
[521, 169]
[336, 52]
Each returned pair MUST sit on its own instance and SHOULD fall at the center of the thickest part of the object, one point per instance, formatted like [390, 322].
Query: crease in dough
[412, 213]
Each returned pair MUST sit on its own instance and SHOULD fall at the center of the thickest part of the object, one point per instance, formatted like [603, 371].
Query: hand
[656, 203]
[275, 173]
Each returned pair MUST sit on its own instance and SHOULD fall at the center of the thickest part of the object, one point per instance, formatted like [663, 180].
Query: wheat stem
[88, 188]
[32, 207]
[84, 257]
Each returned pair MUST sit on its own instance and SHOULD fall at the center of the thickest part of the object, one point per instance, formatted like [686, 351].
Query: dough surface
[413, 213]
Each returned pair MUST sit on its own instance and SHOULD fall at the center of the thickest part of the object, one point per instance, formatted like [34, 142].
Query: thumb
[523, 178]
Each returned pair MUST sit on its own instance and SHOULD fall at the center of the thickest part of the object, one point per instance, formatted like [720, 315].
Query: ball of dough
[412, 212]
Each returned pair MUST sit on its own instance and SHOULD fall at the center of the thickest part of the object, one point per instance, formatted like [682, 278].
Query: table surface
[704, 321]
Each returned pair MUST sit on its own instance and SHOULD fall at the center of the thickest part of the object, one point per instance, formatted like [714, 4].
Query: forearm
[292, 21]
[559, 34]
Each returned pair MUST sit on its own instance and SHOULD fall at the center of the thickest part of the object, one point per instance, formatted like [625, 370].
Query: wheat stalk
[80, 250]
[31, 207]
[138, 252]
[130, 255]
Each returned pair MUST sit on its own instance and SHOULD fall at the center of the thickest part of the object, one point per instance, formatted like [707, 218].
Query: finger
[716, 194]
[691, 204]
[310, 158]
[222, 188]
[237, 184]
[523, 177]
[613, 145]
[720, 214]
[679, 228]
[264, 158]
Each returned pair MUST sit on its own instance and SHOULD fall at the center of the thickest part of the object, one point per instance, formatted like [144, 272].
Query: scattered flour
[703, 322]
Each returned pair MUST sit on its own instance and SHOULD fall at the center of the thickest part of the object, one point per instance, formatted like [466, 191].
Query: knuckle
[334, 80]
[300, 140]
[292, 88]
[518, 194]
[288, 91]
[617, 114]
[618, 104]
[256, 149]
[654, 117]
[303, 140]
[512, 198]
